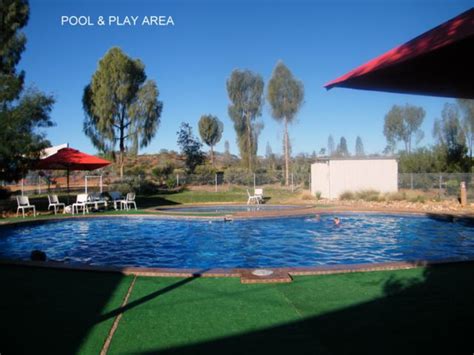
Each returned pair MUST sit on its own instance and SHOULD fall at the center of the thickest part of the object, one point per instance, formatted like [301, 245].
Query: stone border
[283, 274]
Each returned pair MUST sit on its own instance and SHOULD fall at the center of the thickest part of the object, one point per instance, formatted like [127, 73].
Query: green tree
[331, 146]
[402, 123]
[245, 91]
[23, 112]
[422, 160]
[450, 137]
[285, 95]
[121, 106]
[467, 109]
[359, 148]
[270, 157]
[227, 155]
[210, 130]
[190, 147]
[342, 150]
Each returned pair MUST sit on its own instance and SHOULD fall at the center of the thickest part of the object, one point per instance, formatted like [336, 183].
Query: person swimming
[337, 221]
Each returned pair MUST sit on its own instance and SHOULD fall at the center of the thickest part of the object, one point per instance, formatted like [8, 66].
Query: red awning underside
[71, 159]
[438, 62]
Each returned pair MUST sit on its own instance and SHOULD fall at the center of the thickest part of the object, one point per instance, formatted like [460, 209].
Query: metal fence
[440, 185]
[36, 184]
[436, 185]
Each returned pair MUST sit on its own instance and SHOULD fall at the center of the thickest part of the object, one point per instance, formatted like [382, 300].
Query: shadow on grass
[154, 201]
[54, 311]
[149, 297]
[62, 312]
[428, 317]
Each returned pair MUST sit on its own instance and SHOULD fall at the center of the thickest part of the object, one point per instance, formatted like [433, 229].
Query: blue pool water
[229, 208]
[291, 241]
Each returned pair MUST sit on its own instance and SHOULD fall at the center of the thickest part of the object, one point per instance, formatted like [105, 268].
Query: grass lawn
[234, 194]
[423, 310]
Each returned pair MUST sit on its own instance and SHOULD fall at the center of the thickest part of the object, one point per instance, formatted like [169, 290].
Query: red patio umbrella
[71, 159]
[437, 63]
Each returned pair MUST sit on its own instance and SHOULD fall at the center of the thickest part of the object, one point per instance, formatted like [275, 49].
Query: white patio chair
[259, 194]
[252, 198]
[96, 199]
[117, 198]
[129, 200]
[81, 202]
[24, 204]
[54, 202]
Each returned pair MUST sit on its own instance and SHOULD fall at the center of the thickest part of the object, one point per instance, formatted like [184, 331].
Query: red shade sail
[71, 159]
[438, 63]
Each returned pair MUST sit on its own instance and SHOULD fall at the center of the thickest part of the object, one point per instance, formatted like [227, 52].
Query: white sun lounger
[96, 199]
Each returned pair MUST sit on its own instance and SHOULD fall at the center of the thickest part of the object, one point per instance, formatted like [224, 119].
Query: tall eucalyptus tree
[121, 106]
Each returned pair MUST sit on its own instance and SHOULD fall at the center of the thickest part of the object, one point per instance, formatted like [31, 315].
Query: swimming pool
[289, 242]
[230, 208]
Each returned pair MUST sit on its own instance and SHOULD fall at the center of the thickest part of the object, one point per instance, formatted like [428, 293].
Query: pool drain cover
[262, 272]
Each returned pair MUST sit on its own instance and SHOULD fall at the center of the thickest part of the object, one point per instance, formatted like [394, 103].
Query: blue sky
[191, 61]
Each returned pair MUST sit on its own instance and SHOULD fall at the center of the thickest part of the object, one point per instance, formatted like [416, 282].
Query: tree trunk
[122, 146]
[249, 143]
[287, 158]
[121, 164]
[212, 156]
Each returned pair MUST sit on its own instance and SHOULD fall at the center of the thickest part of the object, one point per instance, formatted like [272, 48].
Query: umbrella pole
[67, 186]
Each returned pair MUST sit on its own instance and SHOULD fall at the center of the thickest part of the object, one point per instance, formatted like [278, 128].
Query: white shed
[333, 176]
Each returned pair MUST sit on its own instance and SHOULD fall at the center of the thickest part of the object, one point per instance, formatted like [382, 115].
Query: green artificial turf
[56, 312]
[417, 311]
[406, 311]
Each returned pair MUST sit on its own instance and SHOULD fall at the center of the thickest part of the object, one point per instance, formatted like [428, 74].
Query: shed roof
[325, 159]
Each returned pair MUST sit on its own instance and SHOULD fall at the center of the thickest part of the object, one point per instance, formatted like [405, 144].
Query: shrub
[171, 182]
[347, 195]
[418, 198]
[317, 194]
[368, 195]
[4, 193]
[133, 184]
[148, 187]
[396, 196]
[204, 174]
[163, 172]
[238, 176]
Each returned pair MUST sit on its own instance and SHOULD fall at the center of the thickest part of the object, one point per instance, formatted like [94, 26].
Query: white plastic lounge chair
[117, 198]
[129, 200]
[24, 204]
[54, 202]
[96, 199]
[252, 198]
[259, 194]
[81, 202]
